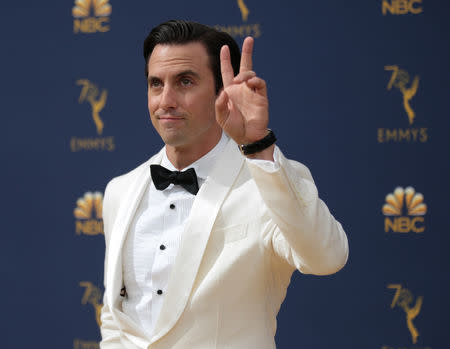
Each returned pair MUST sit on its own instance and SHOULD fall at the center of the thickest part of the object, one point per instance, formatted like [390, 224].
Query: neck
[182, 156]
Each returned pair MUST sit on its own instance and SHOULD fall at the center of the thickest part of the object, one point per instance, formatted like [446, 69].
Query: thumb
[222, 110]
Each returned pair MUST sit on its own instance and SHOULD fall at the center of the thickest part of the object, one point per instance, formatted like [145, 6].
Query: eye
[185, 82]
[154, 83]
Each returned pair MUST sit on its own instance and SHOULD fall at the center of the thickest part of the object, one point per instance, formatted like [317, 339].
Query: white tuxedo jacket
[247, 232]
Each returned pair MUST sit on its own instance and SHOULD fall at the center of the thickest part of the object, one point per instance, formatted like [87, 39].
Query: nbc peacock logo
[91, 16]
[88, 214]
[404, 211]
[244, 28]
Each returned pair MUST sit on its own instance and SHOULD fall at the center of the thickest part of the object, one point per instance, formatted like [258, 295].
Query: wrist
[260, 145]
[266, 154]
[256, 137]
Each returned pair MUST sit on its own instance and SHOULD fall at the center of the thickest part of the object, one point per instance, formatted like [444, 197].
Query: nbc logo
[404, 200]
[84, 22]
[401, 7]
[88, 214]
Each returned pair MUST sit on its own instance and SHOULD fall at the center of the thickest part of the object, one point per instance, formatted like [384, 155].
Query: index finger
[225, 66]
[246, 56]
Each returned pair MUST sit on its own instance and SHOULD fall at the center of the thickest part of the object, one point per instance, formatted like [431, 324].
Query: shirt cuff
[267, 165]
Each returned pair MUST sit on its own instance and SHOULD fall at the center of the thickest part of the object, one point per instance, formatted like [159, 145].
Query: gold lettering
[403, 225]
[247, 30]
[78, 227]
[88, 144]
[423, 135]
[387, 7]
[380, 135]
[241, 30]
[226, 29]
[257, 30]
[100, 27]
[110, 144]
[415, 10]
[414, 347]
[414, 226]
[91, 25]
[401, 7]
[391, 135]
[79, 344]
[389, 225]
[238, 30]
[76, 25]
[404, 135]
[73, 144]
[89, 227]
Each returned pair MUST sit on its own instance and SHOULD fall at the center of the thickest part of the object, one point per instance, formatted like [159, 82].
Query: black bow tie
[162, 177]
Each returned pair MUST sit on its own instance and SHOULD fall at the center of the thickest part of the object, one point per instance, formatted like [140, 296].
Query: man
[205, 262]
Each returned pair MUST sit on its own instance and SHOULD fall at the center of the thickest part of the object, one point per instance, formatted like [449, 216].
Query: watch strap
[255, 147]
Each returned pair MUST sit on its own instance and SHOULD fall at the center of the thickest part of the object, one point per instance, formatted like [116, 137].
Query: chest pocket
[231, 234]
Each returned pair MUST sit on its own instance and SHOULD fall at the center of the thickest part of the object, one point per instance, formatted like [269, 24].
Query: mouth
[170, 120]
[170, 117]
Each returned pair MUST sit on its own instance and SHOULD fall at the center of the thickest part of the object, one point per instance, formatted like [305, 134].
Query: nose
[168, 98]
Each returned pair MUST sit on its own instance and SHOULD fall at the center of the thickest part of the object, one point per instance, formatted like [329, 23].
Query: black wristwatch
[255, 147]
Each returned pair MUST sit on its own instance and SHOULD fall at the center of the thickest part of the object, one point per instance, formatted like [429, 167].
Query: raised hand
[242, 108]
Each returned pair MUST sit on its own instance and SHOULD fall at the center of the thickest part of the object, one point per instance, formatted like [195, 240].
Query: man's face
[181, 95]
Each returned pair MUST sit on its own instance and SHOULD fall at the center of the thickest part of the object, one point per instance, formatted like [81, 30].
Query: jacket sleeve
[109, 329]
[304, 233]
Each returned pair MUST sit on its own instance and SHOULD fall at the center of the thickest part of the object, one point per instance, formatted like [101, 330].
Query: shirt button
[172, 206]
[159, 292]
[162, 247]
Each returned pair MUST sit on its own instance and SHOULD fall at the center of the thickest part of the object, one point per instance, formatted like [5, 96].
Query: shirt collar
[203, 165]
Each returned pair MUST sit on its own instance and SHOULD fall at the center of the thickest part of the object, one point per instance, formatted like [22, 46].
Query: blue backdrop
[358, 92]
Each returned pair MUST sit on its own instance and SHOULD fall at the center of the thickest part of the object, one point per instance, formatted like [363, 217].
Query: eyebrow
[184, 72]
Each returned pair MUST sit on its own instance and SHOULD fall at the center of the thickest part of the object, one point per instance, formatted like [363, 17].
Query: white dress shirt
[154, 237]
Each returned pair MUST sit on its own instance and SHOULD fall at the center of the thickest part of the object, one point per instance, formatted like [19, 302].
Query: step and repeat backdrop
[358, 92]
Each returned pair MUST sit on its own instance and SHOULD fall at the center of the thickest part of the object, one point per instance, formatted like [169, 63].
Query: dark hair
[183, 32]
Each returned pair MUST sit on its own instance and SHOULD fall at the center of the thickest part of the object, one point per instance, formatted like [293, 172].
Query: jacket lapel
[128, 205]
[195, 237]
